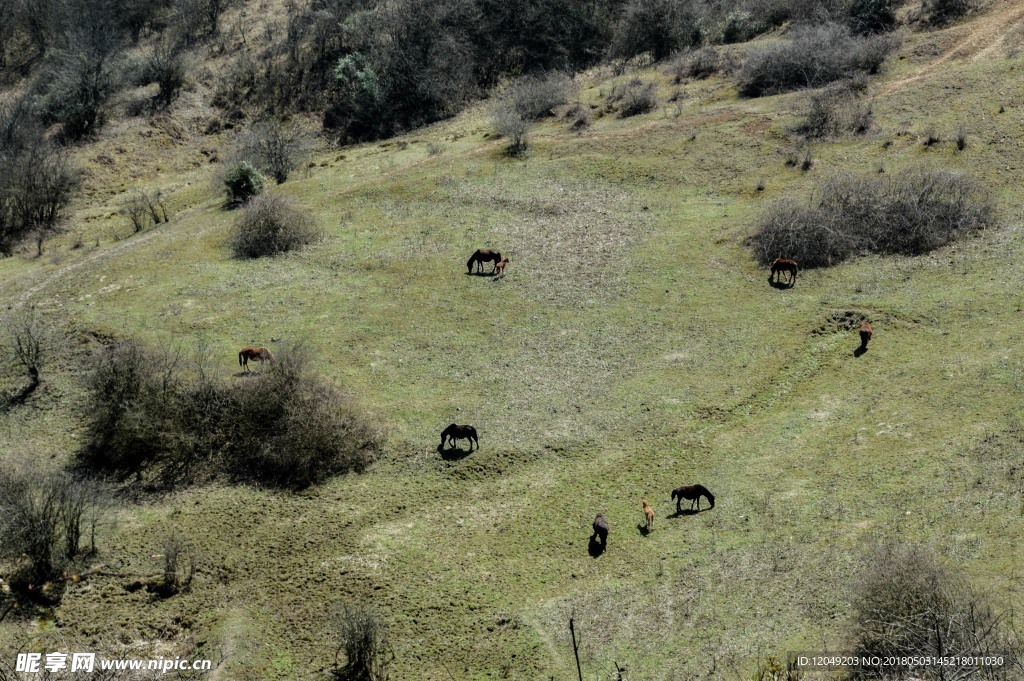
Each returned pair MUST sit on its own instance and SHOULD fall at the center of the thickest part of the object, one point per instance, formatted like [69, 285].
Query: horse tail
[675, 493]
[240, 358]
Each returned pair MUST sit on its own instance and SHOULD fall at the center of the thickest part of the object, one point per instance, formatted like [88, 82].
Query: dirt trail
[983, 36]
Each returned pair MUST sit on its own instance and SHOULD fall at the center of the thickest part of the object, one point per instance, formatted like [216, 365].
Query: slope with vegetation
[301, 521]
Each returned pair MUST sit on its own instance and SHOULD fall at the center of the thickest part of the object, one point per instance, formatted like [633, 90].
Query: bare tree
[363, 641]
[29, 341]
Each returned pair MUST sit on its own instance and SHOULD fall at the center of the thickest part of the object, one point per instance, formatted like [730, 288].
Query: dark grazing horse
[456, 432]
[692, 493]
[865, 335]
[601, 530]
[780, 265]
[245, 355]
[481, 256]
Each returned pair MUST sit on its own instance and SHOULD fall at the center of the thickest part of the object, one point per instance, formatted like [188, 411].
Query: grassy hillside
[634, 346]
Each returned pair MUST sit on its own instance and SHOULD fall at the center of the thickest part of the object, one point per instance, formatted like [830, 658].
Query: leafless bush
[179, 565]
[164, 65]
[909, 605]
[961, 137]
[275, 149]
[362, 644]
[698, 64]
[910, 213]
[151, 412]
[655, 27]
[37, 182]
[522, 102]
[270, 224]
[942, 12]
[30, 340]
[579, 116]
[42, 518]
[144, 209]
[814, 57]
[633, 97]
[836, 110]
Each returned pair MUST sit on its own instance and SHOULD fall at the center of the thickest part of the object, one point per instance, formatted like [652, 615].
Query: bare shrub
[274, 148]
[144, 209]
[362, 644]
[29, 341]
[42, 517]
[909, 605]
[814, 57]
[699, 64]
[633, 98]
[522, 102]
[285, 427]
[942, 12]
[179, 565]
[298, 429]
[910, 213]
[164, 65]
[836, 110]
[271, 224]
[38, 179]
[655, 27]
[579, 116]
[961, 138]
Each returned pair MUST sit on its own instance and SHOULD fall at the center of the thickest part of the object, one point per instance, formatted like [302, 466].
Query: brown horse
[865, 335]
[780, 265]
[255, 355]
[499, 269]
[481, 256]
[648, 515]
[456, 432]
[692, 493]
[601, 530]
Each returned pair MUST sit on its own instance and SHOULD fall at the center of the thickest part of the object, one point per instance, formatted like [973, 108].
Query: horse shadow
[480, 274]
[684, 511]
[644, 530]
[595, 548]
[453, 453]
[779, 284]
[859, 352]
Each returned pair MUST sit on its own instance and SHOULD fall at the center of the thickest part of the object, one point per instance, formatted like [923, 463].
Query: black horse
[481, 256]
[692, 493]
[456, 432]
[601, 530]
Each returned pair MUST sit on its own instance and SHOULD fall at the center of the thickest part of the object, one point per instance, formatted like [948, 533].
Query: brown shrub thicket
[908, 604]
[270, 224]
[363, 652]
[813, 57]
[45, 517]
[909, 213]
[155, 415]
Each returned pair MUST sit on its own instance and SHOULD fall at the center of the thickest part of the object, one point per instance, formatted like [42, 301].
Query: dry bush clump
[144, 209]
[44, 518]
[523, 101]
[814, 57]
[698, 64]
[909, 605]
[270, 224]
[275, 149]
[632, 98]
[836, 110]
[910, 213]
[152, 414]
[362, 644]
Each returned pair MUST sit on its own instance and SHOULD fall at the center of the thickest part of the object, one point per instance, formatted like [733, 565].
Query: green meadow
[635, 345]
